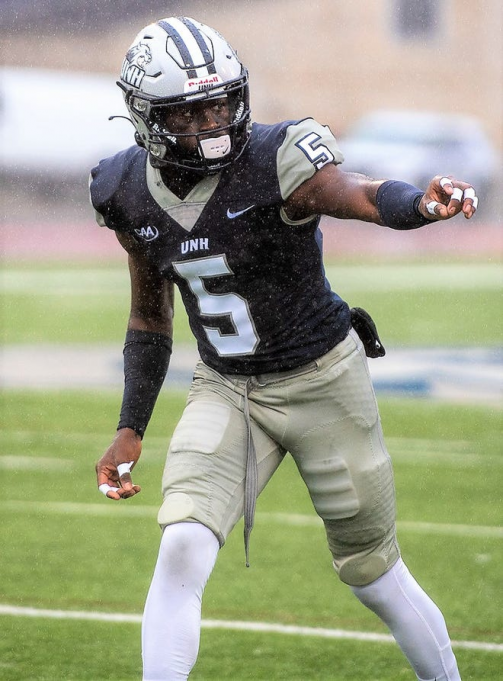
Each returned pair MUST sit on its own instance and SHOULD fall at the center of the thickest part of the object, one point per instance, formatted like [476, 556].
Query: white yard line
[236, 625]
[34, 463]
[295, 519]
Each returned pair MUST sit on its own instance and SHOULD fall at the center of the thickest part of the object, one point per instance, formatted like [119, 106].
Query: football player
[228, 211]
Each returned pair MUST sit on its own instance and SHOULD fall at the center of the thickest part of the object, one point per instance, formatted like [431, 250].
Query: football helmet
[176, 61]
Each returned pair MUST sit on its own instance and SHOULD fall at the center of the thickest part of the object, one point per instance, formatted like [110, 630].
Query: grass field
[414, 304]
[66, 549]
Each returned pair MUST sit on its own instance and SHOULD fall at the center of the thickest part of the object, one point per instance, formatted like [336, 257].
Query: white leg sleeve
[415, 622]
[172, 616]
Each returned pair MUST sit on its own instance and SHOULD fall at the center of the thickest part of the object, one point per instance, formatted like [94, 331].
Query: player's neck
[179, 181]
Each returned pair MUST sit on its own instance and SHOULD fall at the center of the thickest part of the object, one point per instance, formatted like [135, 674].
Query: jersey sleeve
[110, 187]
[307, 147]
[97, 215]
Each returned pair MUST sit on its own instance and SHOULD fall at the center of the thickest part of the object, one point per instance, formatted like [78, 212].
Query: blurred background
[410, 88]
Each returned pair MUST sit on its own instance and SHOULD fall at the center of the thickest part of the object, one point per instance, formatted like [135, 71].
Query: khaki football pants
[325, 414]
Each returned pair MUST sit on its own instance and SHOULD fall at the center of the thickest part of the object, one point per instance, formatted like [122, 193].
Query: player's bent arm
[148, 344]
[152, 296]
[147, 351]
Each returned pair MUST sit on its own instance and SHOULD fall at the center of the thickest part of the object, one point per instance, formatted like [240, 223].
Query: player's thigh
[343, 460]
[204, 475]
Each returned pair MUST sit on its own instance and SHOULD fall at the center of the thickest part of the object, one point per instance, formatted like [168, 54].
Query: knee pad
[176, 508]
[179, 507]
[360, 570]
[361, 557]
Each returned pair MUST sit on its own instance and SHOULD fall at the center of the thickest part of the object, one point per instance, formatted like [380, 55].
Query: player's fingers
[457, 194]
[109, 491]
[469, 194]
[470, 198]
[465, 200]
[475, 203]
[470, 202]
[117, 493]
[455, 202]
[124, 471]
[434, 208]
[446, 184]
[458, 198]
[126, 493]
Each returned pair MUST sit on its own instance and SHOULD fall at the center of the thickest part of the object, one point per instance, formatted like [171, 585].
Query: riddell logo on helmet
[198, 84]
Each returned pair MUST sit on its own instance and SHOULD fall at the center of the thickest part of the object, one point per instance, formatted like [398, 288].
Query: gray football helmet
[177, 61]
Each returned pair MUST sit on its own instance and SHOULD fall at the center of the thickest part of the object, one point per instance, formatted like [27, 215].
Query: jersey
[252, 281]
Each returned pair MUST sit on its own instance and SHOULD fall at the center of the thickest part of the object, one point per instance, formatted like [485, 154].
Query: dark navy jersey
[252, 281]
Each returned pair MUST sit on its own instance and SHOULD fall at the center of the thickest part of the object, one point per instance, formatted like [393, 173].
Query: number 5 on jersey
[245, 340]
[317, 153]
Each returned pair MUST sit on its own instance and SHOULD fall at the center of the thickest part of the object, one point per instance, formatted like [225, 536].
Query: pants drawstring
[251, 477]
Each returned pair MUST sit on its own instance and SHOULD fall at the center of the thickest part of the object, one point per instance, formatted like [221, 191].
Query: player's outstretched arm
[331, 191]
[146, 357]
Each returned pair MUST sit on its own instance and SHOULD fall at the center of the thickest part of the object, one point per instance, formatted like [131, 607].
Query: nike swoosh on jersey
[231, 215]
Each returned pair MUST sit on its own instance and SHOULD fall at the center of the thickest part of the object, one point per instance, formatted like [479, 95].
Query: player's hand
[113, 470]
[445, 197]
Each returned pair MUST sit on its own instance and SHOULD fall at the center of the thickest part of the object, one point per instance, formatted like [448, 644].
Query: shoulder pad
[107, 178]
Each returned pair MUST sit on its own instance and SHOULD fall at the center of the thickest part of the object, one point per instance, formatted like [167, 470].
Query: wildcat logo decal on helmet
[133, 67]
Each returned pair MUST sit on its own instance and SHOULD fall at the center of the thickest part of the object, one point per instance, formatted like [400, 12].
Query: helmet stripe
[195, 56]
[182, 47]
[208, 57]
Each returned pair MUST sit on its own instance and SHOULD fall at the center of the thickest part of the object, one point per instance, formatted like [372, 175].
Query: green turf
[414, 304]
[66, 547]
[102, 652]
[63, 546]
